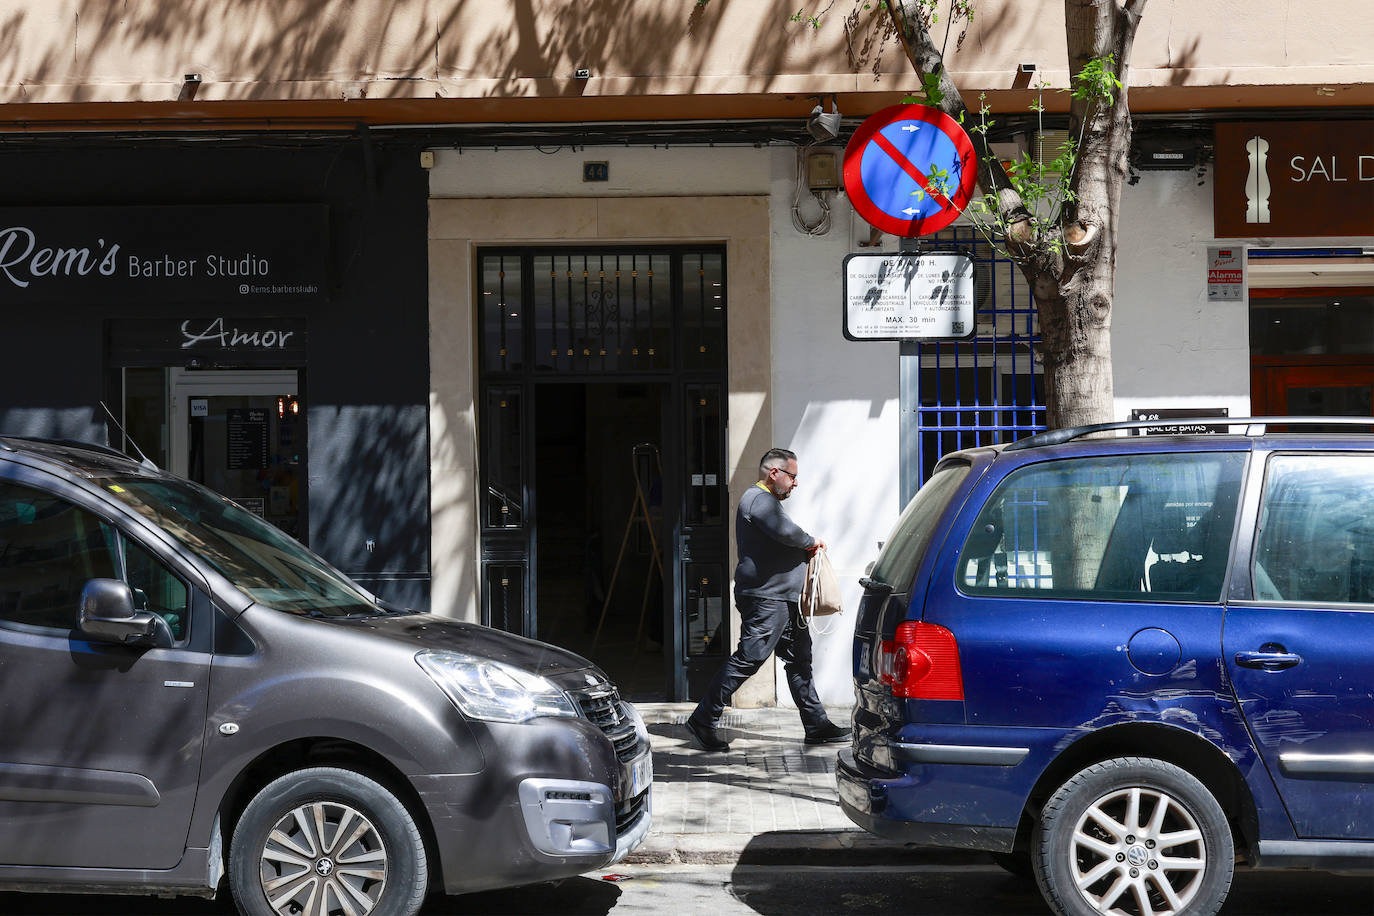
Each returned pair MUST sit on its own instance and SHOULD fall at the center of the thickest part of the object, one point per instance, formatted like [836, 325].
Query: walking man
[773, 551]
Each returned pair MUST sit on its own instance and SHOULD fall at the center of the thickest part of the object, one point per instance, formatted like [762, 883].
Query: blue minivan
[1126, 663]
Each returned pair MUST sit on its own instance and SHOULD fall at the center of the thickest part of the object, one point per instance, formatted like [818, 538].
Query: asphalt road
[740, 890]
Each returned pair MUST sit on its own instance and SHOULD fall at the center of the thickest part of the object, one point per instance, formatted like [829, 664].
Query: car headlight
[490, 690]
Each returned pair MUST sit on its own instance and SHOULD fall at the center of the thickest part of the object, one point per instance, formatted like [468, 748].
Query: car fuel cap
[1154, 651]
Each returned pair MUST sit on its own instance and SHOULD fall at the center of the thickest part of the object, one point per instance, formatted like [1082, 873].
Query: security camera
[824, 125]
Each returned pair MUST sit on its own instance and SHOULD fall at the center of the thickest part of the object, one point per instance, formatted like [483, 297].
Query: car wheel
[1133, 836]
[327, 842]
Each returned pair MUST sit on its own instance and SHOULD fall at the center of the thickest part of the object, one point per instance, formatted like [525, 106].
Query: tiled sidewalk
[770, 795]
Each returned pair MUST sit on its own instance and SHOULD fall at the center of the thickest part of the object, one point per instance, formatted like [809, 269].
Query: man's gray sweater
[772, 548]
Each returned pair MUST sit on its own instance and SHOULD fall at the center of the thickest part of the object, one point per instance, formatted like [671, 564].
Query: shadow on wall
[83, 424]
[296, 50]
[849, 495]
[307, 40]
[369, 482]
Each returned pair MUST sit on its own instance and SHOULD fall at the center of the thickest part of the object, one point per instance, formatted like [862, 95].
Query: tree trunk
[1076, 320]
[1076, 346]
[1071, 274]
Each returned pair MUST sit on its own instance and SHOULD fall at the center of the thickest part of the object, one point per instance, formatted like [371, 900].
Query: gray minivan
[187, 694]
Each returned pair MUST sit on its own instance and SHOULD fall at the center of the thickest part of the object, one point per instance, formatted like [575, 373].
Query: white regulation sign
[908, 296]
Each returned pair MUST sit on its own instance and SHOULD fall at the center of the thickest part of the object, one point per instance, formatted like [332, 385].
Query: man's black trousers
[767, 625]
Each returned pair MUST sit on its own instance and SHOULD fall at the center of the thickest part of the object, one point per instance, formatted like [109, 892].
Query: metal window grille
[1027, 562]
[989, 389]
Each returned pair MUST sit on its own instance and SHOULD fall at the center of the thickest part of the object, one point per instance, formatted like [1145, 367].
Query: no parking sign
[909, 170]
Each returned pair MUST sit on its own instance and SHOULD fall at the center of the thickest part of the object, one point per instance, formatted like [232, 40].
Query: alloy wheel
[1138, 852]
[323, 859]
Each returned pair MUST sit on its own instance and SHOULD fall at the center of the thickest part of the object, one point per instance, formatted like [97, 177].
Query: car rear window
[1124, 527]
[916, 526]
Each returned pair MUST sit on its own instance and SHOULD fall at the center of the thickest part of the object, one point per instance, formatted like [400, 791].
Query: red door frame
[1272, 376]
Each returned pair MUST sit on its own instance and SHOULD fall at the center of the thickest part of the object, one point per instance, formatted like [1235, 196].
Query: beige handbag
[821, 593]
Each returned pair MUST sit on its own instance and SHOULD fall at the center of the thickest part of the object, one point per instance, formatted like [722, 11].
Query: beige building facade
[451, 62]
[675, 132]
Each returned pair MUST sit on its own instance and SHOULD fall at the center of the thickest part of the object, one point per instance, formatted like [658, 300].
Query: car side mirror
[108, 615]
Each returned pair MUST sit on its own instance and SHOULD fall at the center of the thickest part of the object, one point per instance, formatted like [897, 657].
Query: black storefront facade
[252, 310]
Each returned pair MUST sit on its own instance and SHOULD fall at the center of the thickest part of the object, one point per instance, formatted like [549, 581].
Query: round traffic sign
[909, 170]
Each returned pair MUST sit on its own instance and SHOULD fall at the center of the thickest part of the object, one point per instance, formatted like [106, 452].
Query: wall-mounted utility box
[822, 170]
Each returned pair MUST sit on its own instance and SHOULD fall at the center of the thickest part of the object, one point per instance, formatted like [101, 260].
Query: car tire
[1128, 827]
[361, 843]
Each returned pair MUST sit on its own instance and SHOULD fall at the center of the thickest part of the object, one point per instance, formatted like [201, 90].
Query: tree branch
[926, 58]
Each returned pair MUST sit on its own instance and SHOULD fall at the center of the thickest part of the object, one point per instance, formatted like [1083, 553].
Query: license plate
[637, 775]
[855, 795]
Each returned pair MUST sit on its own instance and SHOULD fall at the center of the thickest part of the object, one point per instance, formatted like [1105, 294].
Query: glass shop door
[242, 434]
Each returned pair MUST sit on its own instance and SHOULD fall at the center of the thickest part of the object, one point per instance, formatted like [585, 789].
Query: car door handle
[1269, 661]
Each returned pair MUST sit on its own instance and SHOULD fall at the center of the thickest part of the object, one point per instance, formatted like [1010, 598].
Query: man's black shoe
[829, 733]
[707, 737]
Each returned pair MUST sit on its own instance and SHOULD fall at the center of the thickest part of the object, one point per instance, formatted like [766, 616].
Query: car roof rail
[1254, 426]
[65, 443]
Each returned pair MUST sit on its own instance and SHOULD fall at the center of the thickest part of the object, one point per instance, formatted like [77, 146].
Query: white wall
[1171, 347]
[835, 405]
[633, 172]
[833, 401]
[836, 401]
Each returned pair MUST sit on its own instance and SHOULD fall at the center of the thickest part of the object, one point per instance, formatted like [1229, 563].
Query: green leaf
[930, 85]
[1097, 80]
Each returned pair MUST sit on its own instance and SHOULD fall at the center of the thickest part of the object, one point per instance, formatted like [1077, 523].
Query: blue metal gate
[986, 390]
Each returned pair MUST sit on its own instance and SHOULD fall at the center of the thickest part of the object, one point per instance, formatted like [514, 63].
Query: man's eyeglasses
[785, 471]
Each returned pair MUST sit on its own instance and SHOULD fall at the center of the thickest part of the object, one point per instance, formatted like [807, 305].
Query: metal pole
[909, 406]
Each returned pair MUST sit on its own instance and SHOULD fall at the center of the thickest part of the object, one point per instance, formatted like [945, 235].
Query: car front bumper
[556, 802]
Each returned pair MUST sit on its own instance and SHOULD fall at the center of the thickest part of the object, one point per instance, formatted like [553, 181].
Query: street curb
[832, 848]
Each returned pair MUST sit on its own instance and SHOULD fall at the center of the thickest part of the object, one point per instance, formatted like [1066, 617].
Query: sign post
[909, 171]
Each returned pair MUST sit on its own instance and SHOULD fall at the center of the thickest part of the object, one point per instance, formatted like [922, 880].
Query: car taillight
[921, 663]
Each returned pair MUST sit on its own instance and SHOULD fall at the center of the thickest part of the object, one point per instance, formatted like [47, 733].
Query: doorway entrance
[599, 542]
[602, 457]
[1312, 352]
[239, 432]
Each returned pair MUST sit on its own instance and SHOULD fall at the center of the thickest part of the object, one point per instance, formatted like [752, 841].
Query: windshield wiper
[875, 585]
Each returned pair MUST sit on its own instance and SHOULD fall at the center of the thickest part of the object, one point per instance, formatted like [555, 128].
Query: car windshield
[260, 560]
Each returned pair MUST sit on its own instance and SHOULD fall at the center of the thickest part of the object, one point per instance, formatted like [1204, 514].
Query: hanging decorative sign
[910, 170]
